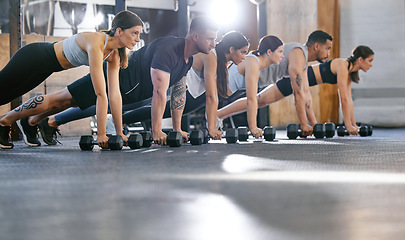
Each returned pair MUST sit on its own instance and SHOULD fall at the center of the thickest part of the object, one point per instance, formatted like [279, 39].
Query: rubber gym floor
[338, 188]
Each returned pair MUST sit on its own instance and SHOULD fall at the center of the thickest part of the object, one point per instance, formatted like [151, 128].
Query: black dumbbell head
[341, 131]
[330, 129]
[363, 131]
[231, 135]
[269, 133]
[174, 139]
[196, 137]
[370, 130]
[86, 143]
[147, 138]
[292, 131]
[115, 142]
[319, 130]
[135, 141]
[206, 136]
[243, 133]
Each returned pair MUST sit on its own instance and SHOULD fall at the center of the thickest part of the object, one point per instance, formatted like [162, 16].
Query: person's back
[165, 54]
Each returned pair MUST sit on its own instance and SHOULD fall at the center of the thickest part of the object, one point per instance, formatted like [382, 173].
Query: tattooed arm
[308, 100]
[296, 70]
[177, 103]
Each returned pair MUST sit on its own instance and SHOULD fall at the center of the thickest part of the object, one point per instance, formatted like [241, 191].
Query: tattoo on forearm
[31, 103]
[178, 95]
[298, 80]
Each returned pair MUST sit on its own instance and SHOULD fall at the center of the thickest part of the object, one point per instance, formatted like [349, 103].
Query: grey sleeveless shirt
[275, 72]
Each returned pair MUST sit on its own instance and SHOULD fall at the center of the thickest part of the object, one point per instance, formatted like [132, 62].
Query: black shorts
[284, 84]
[82, 91]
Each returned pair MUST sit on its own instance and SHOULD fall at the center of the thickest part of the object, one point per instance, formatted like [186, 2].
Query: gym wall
[379, 98]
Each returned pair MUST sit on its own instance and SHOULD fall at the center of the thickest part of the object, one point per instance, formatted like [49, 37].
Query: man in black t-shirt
[151, 71]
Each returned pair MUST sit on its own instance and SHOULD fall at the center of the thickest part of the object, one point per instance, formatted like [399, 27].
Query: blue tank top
[236, 80]
[75, 55]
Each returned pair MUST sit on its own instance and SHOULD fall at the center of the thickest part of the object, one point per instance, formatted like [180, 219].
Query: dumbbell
[87, 142]
[231, 135]
[370, 130]
[147, 139]
[135, 141]
[197, 137]
[341, 131]
[319, 130]
[293, 131]
[330, 130]
[174, 139]
[206, 135]
[269, 133]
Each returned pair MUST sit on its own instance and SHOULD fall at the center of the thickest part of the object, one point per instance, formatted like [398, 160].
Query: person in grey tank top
[86, 48]
[294, 65]
[270, 51]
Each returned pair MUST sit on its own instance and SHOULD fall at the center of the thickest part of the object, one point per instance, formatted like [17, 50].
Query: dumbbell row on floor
[364, 131]
[242, 134]
[319, 130]
[197, 137]
[115, 142]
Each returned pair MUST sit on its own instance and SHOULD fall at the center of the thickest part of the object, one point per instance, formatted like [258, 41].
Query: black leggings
[28, 68]
[135, 112]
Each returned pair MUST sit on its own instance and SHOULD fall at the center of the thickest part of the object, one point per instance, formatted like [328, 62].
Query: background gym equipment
[87, 142]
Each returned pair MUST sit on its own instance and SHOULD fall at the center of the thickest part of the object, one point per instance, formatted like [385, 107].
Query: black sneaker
[5, 137]
[30, 133]
[48, 133]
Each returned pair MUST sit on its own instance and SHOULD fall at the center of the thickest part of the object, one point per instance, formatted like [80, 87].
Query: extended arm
[251, 79]
[160, 81]
[296, 70]
[344, 87]
[211, 94]
[97, 77]
[177, 103]
[114, 94]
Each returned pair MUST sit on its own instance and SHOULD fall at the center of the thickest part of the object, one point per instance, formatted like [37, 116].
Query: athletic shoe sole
[25, 136]
[6, 146]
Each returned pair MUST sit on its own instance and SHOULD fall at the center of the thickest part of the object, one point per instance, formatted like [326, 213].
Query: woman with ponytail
[33, 63]
[245, 76]
[335, 71]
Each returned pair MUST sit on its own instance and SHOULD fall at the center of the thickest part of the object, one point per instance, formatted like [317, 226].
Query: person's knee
[61, 99]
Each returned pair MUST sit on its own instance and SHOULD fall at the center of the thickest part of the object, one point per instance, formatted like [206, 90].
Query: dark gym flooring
[348, 188]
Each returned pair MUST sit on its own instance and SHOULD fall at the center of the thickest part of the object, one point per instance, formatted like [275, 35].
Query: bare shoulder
[91, 38]
[339, 65]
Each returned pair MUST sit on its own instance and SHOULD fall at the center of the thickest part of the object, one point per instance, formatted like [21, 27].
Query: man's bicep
[160, 79]
[296, 67]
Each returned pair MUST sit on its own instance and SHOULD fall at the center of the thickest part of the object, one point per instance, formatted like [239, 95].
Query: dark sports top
[165, 54]
[326, 73]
